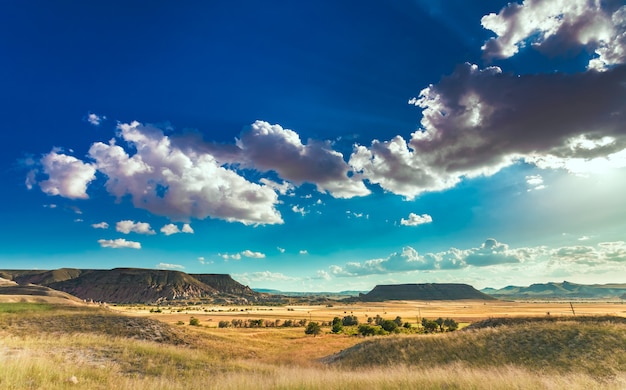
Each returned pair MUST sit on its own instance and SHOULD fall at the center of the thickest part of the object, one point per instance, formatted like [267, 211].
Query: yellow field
[411, 311]
[79, 350]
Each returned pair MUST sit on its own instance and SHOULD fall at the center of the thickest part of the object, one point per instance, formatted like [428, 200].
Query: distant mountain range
[564, 290]
[134, 285]
[150, 286]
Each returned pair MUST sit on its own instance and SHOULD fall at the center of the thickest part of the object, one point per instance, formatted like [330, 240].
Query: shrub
[450, 324]
[194, 321]
[350, 320]
[337, 325]
[313, 328]
[224, 324]
[429, 325]
[389, 325]
[371, 330]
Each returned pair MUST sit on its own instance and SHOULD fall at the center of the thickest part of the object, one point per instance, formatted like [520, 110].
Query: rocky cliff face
[133, 285]
[423, 292]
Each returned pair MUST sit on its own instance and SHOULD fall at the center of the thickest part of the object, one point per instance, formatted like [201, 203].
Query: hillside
[134, 285]
[536, 344]
[564, 290]
[423, 292]
[12, 292]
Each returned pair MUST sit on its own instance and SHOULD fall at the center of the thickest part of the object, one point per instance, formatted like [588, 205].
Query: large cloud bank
[474, 122]
[491, 253]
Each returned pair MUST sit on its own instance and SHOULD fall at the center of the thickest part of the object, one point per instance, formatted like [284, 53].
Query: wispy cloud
[101, 225]
[119, 243]
[94, 119]
[246, 253]
[298, 210]
[170, 266]
[264, 276]
[535, 183]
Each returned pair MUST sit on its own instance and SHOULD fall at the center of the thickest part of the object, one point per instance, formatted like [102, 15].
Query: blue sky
[317, 146]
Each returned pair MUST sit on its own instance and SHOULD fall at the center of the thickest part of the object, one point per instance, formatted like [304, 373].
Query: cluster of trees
[441, 325]
[261, 323]
[379, 326]
[374, 326]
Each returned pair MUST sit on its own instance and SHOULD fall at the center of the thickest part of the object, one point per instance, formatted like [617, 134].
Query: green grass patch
[22, 307]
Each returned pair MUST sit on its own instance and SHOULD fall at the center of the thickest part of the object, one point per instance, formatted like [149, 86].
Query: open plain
[44, 345]
[411, 311]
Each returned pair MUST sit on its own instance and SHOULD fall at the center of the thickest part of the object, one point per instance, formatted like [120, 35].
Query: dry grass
[47, 347]
[597, 349]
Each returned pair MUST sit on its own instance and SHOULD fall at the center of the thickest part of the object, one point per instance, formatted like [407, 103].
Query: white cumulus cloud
[269, 147]
[476, 122]
[128, 226]
[180, 181]
[67, 176]
[415, 220]
[254, 255]
[170, 229]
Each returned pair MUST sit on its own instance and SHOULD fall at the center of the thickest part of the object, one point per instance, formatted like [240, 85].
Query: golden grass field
[462, 311]
[51, 346]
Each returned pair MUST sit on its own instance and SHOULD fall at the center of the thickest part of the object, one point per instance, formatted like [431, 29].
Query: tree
[313, 328]
[389, 325]
[350, 320]
[337, 325]
[367, 330]
[429, 325]
[450, 324]
[398, 321]
[439, 322]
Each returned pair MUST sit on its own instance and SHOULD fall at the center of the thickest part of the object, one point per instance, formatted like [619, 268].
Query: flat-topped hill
[423, 292]
[136, 285]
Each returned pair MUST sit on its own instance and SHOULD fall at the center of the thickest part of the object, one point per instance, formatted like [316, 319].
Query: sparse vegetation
[45, 348]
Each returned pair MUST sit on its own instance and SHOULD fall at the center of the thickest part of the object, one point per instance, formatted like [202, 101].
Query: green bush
[350, 320]
[313, 328]
[389, 325]
[194, 321]
[337, 325]
[371, 330]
